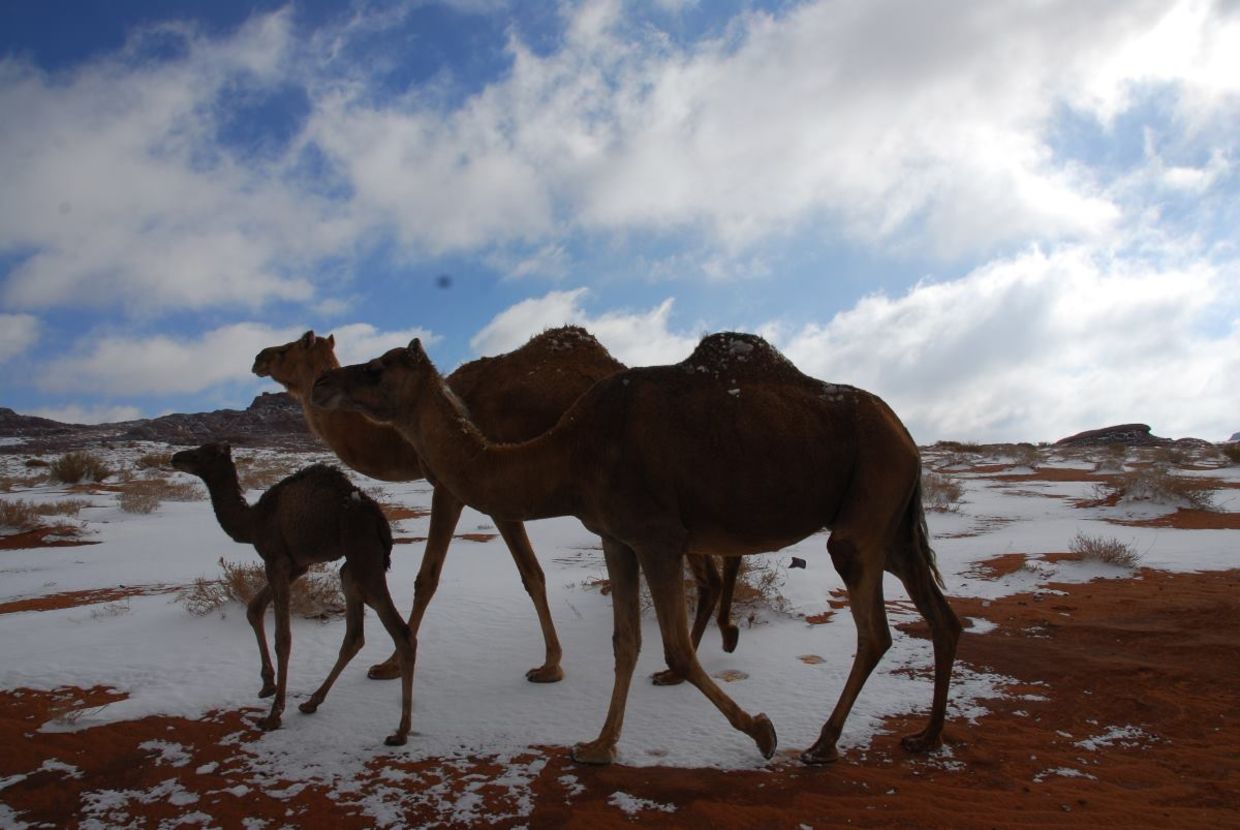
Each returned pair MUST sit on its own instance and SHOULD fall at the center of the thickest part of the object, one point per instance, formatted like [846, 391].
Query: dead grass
[261, 472]
[9, 483]
[1158, 485]
[154, 461]
[1231, 452]
[316, 595]
[1107, 551]
[940, 492]
[24, 515]
[73, 467]
[144, 495]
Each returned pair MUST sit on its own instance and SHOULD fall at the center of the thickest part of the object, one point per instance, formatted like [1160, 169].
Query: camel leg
[861, 568]
[378, 598]
[626, 643]
[536, 586]
[278, 579]
[663, 576]
[354, 638]
[255, 610]
[731, 569]
[706, 576]
[945, 632]
[445, 513]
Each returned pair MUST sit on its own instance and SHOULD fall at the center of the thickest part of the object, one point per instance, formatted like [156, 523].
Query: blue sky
[1012, 221]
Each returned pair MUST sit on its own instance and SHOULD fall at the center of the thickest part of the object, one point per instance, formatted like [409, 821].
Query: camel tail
[921, 534]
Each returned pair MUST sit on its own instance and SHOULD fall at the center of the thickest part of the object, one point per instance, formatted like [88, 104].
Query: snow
[480, 635]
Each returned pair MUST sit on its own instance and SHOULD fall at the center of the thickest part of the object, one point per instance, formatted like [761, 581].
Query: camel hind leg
[536, 586]
[913, 564]
[354, 638]
[860, 565]
[663, 576]
[731, 634]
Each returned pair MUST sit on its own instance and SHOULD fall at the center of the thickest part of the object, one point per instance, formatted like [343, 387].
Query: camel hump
[563, 339]
[738, 354]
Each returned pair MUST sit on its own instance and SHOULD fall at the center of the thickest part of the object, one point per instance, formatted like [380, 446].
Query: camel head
[381, 389]
[206, 460]
[297, 364]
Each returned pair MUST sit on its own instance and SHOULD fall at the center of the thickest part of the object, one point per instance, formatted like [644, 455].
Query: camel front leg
[626, 643]
[663, 576]
[536, 586]
[255, 611]
[727, 628]
[278, 579]
[706, 577]
[445, 513]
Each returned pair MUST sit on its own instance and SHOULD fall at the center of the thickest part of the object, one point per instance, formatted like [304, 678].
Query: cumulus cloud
[359, 342]
[1039, 346]
[637, 338]
[18, 332]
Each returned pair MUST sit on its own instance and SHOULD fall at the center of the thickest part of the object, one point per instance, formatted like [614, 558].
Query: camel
[315, 515]
[732, 451]
[512, 397]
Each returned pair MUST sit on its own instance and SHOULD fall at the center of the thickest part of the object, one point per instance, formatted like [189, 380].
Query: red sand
[1159, 653]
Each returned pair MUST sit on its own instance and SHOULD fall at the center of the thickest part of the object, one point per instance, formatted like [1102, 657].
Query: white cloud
[360, 342]
[635, 338]
[78, 414]
[1040, 346]
[18, 332]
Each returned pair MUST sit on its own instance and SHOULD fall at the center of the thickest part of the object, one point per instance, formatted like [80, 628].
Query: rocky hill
[271, 420]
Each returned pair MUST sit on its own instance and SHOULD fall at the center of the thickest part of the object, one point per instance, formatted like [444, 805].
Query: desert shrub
[1231, 452]
[24, 515]
[1113, 458]
[73, 467]
[7, 483]
[940, 492]
[260, 473]
[154, 461]
[1107, 551]
[1157, 484]
[759, 582]
[316, 595]
[144, 495]
[1024, 455]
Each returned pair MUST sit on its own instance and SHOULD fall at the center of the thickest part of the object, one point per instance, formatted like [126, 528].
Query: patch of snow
[1123, 736]
[632, 805]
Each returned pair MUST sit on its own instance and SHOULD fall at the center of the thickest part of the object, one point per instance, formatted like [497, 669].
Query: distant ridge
[273, 419]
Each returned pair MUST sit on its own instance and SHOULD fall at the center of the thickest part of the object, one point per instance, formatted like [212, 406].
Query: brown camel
[315, 515]
[513, 397]
[732, 451]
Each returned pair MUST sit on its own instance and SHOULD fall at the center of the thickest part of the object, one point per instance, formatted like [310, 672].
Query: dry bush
[1025, 455]
[1157, 484]
[1231, 452]
[7, 483]
[261, 472]
[1113, 459]
[73, 467]
[316, 595]
[154, 461]
[1107, 551]
[940, 492]
[144, 495]
[759, 583]
[24, 515]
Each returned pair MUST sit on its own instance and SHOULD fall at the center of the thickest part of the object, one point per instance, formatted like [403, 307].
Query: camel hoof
[667, 677]
[763, 734]
[269, 723]
[545, 674]
[268, 690]
[309, 707]
[817, 756]
[731, 635]
[387, 670]
[396, 739]
[594, 753]
[920, 742]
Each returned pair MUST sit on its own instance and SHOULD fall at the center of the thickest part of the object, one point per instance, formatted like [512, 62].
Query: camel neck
[232, 511]
[513, 482]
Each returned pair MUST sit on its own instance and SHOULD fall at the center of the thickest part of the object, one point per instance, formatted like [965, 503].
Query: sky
[1012, 221]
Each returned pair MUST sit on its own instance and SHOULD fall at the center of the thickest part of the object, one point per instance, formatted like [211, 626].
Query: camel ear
[307, 339]
[415, 348]
[331, 340]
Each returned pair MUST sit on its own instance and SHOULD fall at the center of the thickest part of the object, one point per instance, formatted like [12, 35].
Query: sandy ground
[1158, 652]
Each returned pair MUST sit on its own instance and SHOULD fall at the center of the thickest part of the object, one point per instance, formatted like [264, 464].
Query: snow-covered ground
[481, 634]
